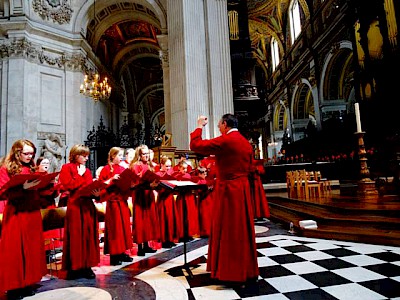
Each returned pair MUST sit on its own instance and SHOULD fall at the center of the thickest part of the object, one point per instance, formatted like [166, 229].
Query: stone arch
[85, 12]
[338, 56]
[130, 54]
[302, 100]
[148, 90]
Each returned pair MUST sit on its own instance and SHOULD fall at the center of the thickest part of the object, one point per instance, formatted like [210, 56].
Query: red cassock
[22, 255]
[81, 229]
[145, 225]
[167, 214]
[260, 203]
[232, 253]
[118, 233]
[205, 200]
[192, 209]
[47, 201]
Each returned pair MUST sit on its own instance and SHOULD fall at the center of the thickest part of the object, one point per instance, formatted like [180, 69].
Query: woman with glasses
[22, 255]
[145, 226]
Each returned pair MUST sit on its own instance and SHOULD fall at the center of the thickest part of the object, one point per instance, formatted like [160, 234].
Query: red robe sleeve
[4, 178]
[71, 180]
[105, 173]
[205, 147]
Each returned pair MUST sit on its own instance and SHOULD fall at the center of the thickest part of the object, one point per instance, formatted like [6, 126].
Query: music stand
[182, 187]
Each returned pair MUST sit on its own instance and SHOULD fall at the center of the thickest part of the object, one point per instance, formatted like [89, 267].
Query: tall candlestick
[358, 120]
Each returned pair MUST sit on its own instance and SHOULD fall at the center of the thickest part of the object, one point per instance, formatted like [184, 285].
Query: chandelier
[93, 87]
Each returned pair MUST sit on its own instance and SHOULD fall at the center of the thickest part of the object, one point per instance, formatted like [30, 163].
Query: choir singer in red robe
[118, 234]
[232, 253]
[22, 256]
[81, 249]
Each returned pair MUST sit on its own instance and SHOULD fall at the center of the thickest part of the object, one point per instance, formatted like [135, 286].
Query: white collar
[231, 130]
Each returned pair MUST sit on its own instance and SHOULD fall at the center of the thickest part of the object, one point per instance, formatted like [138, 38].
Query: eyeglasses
[28, 153]
[145, 153]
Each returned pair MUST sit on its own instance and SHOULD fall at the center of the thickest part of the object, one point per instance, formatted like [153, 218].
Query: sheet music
[178, 183]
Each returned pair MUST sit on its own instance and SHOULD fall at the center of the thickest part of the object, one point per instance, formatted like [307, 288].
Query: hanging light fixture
[92, 87]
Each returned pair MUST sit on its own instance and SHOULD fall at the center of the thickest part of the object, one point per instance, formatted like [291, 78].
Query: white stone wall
[41, 61]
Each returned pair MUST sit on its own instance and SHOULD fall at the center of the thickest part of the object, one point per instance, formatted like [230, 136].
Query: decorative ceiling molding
[59, 11]
[35, 53]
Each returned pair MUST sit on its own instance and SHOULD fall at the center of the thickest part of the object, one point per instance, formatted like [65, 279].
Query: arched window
[295, 22]
[274, 54]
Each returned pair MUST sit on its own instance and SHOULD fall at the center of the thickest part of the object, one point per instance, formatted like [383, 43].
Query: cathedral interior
[296, 70]
[311, 82]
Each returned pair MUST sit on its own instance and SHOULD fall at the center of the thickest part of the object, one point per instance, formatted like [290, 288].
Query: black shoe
[74, 274]
[29, 291]
[147, 249]
[16, 294]
[166, 245]
[186, 239]
[115, 260]
[233, 284]
[125, 258]
[141, 253]
[88, 273]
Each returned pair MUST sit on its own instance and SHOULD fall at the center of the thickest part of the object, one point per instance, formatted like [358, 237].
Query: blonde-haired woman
[81, 238]
[22, 256]
[118, 234]
[145, 219]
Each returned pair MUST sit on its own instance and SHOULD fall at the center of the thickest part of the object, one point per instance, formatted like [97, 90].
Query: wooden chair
[291, 184]
[312, 187]
[326, 184]
[299, 184]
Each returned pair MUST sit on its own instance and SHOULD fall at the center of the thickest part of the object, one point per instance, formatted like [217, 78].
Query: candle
[358, 120]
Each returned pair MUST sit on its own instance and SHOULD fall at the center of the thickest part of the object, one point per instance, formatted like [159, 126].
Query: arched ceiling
[123, 35]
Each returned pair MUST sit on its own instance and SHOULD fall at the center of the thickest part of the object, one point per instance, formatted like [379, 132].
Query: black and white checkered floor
[290, 268]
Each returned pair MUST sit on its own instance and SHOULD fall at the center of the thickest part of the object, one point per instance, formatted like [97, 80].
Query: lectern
[183, 187]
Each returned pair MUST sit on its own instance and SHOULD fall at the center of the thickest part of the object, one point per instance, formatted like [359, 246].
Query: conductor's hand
[202, 121]
[30, 184]
[81, 170]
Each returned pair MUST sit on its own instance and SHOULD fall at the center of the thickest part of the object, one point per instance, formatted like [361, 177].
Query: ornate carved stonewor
[35, 53]
[59, 11]
[164, 58]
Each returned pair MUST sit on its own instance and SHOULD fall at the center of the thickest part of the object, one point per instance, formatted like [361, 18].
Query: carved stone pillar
[219, 70]
[199, 65]
[163, 41]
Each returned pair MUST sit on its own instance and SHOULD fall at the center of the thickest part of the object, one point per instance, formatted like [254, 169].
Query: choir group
[156, 214]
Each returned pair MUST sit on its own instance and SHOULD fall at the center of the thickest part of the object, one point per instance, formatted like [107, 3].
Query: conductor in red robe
[232, 253]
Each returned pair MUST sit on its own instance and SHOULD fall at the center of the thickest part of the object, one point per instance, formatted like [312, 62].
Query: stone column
[163, 41]
[200, 80]
[15, 92]
[219, 66]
